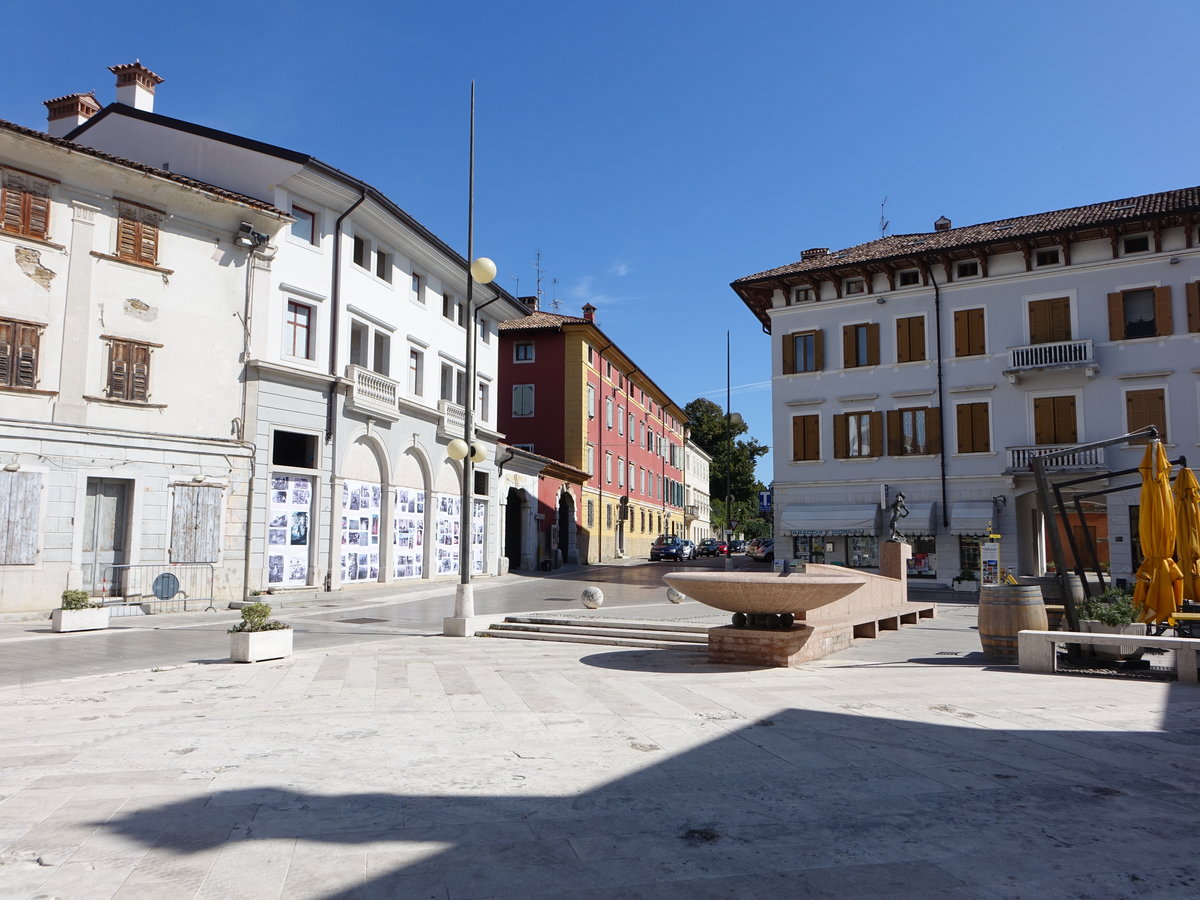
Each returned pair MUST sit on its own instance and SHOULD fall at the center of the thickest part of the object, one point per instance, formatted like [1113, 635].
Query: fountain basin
[763, 593]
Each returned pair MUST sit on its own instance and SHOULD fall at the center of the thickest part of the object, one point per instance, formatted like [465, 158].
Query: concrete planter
[92, 619]
[1121, 651]
[253, 646]
[965, 587]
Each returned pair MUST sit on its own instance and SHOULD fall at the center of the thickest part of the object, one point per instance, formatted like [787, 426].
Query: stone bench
[1036, 653]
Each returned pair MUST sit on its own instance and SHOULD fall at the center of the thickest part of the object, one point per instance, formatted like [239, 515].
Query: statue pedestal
[893, 562]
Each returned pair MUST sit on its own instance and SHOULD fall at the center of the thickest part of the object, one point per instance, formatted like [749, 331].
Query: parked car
[689, 548]
[763, 551]
[707, 547]
[737, 546]
[667, 546]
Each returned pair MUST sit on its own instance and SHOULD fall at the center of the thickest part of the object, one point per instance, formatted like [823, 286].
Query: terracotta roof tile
[541, 320]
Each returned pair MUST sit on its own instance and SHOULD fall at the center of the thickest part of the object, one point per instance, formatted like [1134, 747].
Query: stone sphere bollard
[674, 596]
[593, 597]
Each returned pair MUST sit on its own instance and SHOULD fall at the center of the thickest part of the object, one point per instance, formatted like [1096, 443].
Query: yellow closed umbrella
[1159, 590]
[1187, 532]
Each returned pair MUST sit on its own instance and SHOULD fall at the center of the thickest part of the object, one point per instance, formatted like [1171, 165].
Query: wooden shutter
[849, 357]
[968, 332]
[196, 524]
[819, 350]
[8, 352]
[965, 430]
[1193, 306]
[14, 202]
[841, 442]
[139, 381]
[1163, 322]
[1116, 316]
[801, 428]
[118, 370]
[933, 430]
[789, 354]
[26, 346]
[910, 338]
[1050, 320]
[873, 344]
[127, 238]
[1054, 420]
[895, 433]
[20, 509]
[1144, 408]
[812, 437]
[148, 243]
[903, 327]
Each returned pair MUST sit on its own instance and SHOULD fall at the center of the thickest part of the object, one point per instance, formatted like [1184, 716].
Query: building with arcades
[937, 364]
[571, 394]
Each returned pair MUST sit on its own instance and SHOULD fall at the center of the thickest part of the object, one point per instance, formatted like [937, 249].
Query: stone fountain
[804, 614]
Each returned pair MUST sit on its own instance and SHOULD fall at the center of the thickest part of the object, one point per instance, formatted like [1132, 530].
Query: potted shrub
[258, 636]
[966, 581]
[79, 613]
[1112, 612]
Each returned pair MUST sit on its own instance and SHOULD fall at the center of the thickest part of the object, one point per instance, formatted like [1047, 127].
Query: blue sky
[655, 151]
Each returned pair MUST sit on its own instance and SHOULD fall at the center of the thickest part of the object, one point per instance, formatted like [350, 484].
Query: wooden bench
[1036, 652]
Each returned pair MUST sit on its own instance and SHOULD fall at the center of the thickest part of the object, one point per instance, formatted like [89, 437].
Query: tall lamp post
[482, 270]
[732, 420]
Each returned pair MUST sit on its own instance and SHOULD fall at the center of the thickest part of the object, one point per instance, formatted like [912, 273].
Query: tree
[733, 462]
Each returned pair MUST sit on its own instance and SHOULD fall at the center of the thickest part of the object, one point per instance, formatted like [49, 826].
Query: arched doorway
[513, 518]
[566, 528]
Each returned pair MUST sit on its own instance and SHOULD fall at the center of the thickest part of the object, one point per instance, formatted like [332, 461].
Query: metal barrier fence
[145, 589]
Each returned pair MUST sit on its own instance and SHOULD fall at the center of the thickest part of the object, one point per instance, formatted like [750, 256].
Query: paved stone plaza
[384, 760]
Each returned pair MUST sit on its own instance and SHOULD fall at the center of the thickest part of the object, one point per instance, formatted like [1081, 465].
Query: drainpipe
[599, 460]
[335, 305]
[941, 390]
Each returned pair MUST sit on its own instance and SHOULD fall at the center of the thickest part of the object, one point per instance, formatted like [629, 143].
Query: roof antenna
[883, 222]
[516, 285]
[538, 267]
[555, 302]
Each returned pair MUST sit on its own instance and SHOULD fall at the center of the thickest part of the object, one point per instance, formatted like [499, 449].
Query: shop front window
[809, 548]
[923, 563]
[862, 551]
[968, 552]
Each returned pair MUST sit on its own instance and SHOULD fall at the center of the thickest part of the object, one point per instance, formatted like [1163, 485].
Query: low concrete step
[689, 637]
[599, 622]
[609, 640]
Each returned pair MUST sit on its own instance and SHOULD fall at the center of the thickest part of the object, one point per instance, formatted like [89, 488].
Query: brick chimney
[942, 224]
[589, 312]
[135, 85]
[531, 303]
[63, 114]
[814, 253]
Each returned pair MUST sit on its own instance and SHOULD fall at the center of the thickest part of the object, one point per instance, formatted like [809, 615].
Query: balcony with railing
[1085, 460]
[1028, 360]
[452, 419]
[372, 394]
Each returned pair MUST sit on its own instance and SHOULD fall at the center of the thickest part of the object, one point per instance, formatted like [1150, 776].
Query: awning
[814, 519]
[971, 517]
[919, 520]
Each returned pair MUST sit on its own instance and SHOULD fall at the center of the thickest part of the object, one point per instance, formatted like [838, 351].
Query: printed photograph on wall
[445, 525]
[360, 530]
[478, 523]
[408, 533]
[288, 530]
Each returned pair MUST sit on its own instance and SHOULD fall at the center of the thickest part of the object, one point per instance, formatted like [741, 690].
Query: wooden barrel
[1052, 590]
[1003, 611]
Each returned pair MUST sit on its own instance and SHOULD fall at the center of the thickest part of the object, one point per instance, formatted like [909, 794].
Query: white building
[122, 296]
[935, 364]
[356, 360]
[697, 511]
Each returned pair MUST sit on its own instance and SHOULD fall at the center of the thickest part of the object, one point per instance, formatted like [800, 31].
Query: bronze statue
[899, 511]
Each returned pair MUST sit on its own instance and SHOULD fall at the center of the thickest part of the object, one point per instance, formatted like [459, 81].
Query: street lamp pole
[732, 419]
[466, 449]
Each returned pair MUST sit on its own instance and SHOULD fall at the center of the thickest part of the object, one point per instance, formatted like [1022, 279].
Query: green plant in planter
[1112, 607]
[967, 575]
[255, 618]
[77, 599]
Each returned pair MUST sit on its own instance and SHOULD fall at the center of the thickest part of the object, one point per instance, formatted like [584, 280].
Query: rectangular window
[382, 362]
[591, 513]
[522, 400]
[908, 277]
[1050, 320]
[485, 333]
[1144, 312]
[1054, 420]
[448, 306]
[25, 200]
[591, 401]
[128, 371]
[297, 330]
[590, 462]
[1143, 408]
[910, 339]
[446, 386]
[418, 288]
[137, 235]
[803, 295]
[1050, 257]
[860, 345]
[19, 342]
[416, 372]
[974, 431]
[21, 499]
[482, 402]
[806, 438]
[913, 432]
[968, 269]
[305, 226]
[857, 434]
[855, 285]
[383, 265]
[620, 420]
[1139, 243]
[591, 354]
[608, 468]
[968, 332]
[620, 471]
[608, 413]
[361, 251]
[803, 351]
[523, 351]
